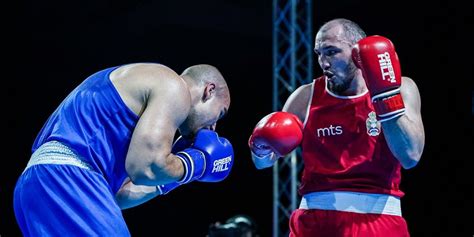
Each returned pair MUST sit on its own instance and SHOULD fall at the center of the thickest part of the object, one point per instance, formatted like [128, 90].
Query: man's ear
[209, 91]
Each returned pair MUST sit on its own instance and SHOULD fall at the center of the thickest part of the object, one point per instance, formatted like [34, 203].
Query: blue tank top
[94, 121]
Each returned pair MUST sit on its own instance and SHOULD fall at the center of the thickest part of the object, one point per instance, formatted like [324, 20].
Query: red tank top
[344, 148]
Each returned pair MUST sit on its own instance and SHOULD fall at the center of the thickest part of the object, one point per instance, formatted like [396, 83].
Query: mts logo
[329, 131]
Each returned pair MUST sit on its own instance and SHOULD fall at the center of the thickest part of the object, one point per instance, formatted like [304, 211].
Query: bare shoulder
[303, 93]
[305, 89]
[298, 101]
[146, 74]
[408, 84]
[409, 89]
[137, 82]
[410, 94]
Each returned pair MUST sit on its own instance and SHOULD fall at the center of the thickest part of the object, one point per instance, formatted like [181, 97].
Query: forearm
[131, 195]
[161, 169]
[405, 138]
[168, 169]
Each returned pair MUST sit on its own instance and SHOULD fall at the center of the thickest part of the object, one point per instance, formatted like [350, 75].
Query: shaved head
[210, 98]
[351, 31]
[203, 74]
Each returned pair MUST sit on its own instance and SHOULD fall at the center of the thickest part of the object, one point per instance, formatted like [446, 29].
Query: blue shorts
[66, 200]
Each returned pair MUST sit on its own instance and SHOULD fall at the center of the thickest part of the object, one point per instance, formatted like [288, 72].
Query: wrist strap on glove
[389, 105]
[194, 162]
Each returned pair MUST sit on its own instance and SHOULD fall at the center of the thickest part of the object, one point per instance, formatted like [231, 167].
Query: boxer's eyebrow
[327, 47]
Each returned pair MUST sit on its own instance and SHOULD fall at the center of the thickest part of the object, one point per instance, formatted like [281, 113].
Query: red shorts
[314, 223]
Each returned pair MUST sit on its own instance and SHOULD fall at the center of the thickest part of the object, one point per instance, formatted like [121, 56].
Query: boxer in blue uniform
[109, 146]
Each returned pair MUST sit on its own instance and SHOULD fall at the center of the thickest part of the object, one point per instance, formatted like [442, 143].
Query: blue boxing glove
[209, 159]
[180, 144]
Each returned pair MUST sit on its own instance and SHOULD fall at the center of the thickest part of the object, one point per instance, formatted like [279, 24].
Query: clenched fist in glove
[208, 159]
[376, 57]
[278, 132]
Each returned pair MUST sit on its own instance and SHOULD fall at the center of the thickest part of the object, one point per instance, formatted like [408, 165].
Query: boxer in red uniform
[361, 125]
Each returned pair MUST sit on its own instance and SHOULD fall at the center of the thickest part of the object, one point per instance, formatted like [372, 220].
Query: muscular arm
[405, 135]
[161, 98]
[131, 195]
[297, 103]
[149, 159]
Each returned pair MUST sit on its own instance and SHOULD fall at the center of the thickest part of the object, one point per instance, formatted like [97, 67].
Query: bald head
[344, 29]
[203, 74]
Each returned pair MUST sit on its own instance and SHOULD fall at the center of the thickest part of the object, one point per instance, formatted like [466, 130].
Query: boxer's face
[205, 114]
[334, 58]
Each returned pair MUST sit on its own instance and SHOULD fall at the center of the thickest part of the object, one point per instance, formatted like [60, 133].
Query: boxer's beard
[340, 86]
[343, 82]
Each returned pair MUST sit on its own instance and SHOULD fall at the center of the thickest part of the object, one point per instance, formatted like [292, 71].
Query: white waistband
[56, 153]
[352, 202]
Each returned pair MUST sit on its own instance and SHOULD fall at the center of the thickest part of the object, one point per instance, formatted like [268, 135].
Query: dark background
[51, 46]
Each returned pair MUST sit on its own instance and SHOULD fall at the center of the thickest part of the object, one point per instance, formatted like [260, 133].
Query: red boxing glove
[280, 132]
[376, 57]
